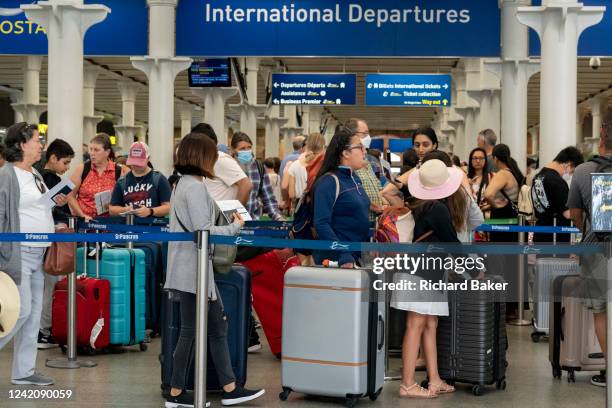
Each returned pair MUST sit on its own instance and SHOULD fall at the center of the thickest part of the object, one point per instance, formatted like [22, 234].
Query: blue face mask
[245, 156]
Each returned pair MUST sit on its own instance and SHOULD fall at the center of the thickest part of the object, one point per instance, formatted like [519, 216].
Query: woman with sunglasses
[341, 205]
[21, 211]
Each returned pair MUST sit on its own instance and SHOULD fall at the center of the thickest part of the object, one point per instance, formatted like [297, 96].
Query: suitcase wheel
[285, 394]
[478, 390]
[535, 337]
[143, 347]
[351, 401]
[374, 396]
[63, 348]
[556, 372]
[571, 376]
[501, 385]
[425, 383]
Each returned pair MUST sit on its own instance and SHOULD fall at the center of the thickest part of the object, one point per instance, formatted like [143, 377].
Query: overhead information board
[210, 72]
[416, 90]
[313, 89]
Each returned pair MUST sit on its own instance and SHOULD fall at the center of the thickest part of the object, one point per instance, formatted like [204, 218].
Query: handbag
[223, 256]
[60, 258]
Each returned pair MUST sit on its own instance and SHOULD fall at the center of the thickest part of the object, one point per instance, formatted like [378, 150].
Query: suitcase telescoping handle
[381, 332]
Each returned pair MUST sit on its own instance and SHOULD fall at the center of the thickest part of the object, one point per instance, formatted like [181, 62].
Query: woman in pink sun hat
[435, 188]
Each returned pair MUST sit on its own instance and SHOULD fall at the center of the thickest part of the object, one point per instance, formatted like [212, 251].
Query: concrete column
[161, 67]
[466, 85]
[214, 107]
[250, 110]
[598, 110]
[141, 132]
[273, 123]
[127, 130]
[581, 113]
[559, 24]
[490, 110]
[197, 116]
[515, 68]
[291, 129]
[331, 128]
[314, 119]
[186, 115]
[66, 22]
[457, 121]
[29, 106]
[90, 119]
[15, 97]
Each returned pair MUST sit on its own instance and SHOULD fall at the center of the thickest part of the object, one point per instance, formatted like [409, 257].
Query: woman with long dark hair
[341, 205]
[478, 174]
[502, 196]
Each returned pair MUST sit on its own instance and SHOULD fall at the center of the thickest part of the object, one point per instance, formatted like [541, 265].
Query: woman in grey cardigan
[193, 209]
[21, 188]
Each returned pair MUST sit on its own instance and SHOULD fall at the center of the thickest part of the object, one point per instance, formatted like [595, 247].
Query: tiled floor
[132, 380]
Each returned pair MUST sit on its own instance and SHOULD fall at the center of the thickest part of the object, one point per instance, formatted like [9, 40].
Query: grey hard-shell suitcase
[546, 270]
[573, 344]
[333, 334]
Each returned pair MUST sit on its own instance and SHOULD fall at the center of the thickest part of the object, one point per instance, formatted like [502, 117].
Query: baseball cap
[138, 155]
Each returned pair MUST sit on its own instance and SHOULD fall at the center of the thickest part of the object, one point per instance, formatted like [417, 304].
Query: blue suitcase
[125, 269]
[154, 278]
[235, 289]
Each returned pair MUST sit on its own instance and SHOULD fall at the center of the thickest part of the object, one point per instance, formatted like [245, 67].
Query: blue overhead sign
[313, 89]
[123, 32]
[416, 90]
[342, 28]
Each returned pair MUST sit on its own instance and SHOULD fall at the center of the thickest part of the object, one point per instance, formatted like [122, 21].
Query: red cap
[138, 155]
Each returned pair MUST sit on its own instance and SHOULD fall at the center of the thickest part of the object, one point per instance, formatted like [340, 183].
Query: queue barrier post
[70, 361]
[129, 220]
[520, 320]
[608, 253]
[201, 319]
[389, 374]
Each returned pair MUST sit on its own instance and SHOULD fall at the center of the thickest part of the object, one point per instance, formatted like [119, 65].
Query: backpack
[302, 227]
[87, 169]
[525, 203]
[386, 225]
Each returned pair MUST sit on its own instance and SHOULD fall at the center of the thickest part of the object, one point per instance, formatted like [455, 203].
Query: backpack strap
[261, 170]
[86, 170]
[118, 169]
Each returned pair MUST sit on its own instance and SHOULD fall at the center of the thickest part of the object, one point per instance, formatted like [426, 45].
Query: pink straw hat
[434, 181]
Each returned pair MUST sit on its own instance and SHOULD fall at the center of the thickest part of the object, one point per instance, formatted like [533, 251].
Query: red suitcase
[93, 304]
[267, 279]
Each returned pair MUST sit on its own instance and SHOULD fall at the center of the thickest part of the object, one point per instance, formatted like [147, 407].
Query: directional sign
[313, 89]
[416, 90]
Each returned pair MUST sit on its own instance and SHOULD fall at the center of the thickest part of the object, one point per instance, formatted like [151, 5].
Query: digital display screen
[210, 72]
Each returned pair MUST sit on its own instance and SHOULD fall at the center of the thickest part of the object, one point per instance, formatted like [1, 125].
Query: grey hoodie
[10, 252]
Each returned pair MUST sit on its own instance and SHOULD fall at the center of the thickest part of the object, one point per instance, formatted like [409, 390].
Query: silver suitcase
[547, 269]
[333, 335]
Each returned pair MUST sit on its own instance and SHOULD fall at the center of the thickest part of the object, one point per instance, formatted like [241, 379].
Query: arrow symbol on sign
[276, 84]
[276, 101]
[445, 86]
[445, 102]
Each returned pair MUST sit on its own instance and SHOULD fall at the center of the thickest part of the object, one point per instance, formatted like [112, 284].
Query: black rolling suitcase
[472, 340]
[235, 290]
[154, 275]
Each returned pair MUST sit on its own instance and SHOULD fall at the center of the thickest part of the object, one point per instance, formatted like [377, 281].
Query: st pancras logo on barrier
[243, 241]
[336, 245]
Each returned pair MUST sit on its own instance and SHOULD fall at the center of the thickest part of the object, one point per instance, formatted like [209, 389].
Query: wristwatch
[151, 212]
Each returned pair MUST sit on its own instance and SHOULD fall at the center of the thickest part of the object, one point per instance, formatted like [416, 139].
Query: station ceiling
[108, 98]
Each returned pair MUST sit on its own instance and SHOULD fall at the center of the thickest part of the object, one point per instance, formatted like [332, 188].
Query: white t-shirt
[227, 174]
[34, 217]
[299, 173]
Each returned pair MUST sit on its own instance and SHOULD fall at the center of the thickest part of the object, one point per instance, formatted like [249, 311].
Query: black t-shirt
[148, 191]
[60, 213]
[549, 195]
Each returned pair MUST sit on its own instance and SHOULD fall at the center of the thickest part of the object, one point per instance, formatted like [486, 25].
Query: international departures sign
[343, 28]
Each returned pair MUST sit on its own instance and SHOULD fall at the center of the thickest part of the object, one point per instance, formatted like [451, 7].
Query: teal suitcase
[125, 269]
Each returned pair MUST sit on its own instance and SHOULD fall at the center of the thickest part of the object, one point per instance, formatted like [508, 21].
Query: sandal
[421, 392]
[441, 388]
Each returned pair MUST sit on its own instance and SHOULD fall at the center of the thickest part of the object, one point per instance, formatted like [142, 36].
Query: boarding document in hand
[63, 187]
[229, 207]
[103, 200]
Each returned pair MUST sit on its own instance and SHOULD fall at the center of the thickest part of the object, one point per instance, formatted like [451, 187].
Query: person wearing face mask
[549, 193]
[371, 175]
[262, 194]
